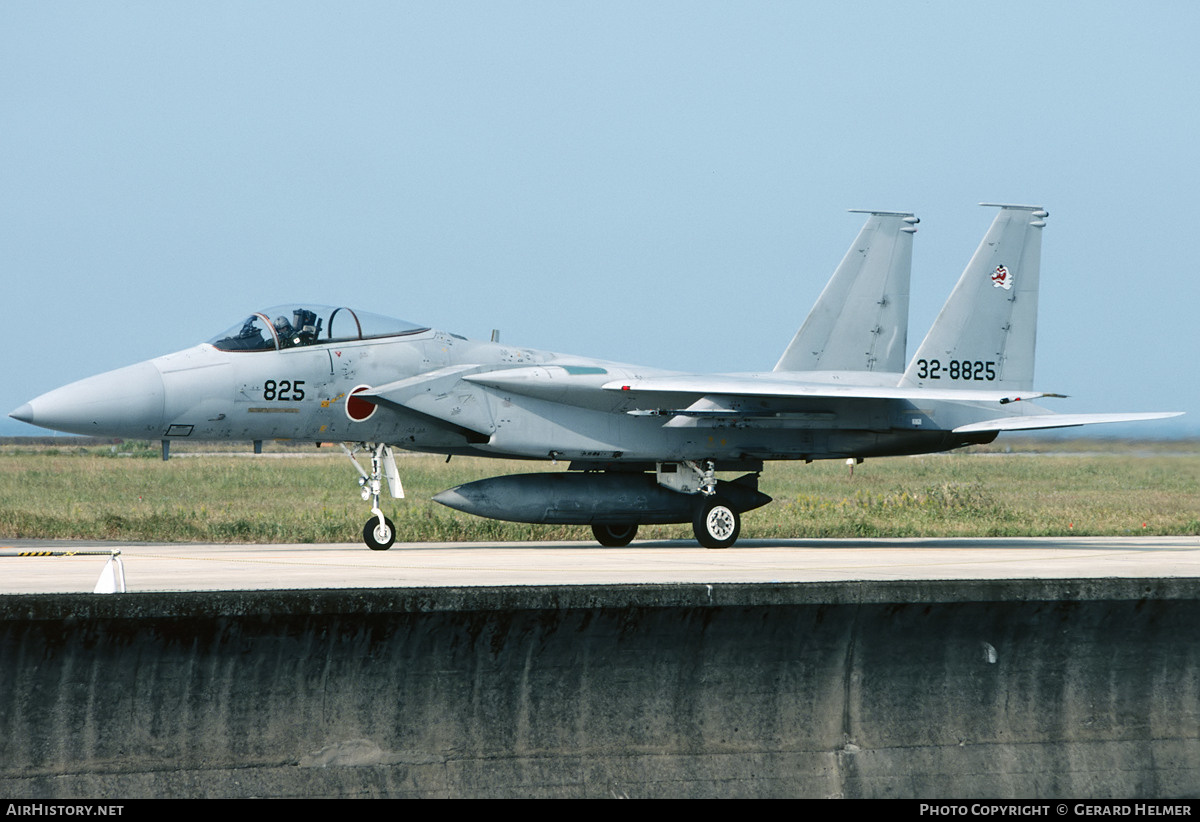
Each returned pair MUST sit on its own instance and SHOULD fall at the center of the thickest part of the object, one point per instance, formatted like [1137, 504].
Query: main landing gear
[380, 532]
[614, 536]
[716, 524]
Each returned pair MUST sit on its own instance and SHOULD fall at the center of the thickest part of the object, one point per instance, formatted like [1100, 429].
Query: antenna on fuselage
[495, 335]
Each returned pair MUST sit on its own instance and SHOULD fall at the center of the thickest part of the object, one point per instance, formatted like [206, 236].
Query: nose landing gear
[379, 533]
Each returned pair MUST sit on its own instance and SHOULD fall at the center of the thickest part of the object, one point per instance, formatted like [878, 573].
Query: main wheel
[716, 524]
[614, 536]
[379, 537]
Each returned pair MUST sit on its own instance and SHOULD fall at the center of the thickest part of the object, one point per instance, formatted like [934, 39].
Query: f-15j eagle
[643, 445]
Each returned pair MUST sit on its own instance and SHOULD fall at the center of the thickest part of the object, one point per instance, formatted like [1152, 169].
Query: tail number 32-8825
[956, 370]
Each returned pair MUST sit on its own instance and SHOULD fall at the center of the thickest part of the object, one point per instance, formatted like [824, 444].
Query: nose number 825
[284, 390]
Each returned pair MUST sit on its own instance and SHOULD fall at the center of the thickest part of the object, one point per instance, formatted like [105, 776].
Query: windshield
[292, 326]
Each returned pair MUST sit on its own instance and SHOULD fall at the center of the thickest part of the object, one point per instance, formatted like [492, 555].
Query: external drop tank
[591, 498]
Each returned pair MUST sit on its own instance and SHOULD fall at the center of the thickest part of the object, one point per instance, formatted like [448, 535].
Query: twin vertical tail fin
[860, 321]
[986, 332]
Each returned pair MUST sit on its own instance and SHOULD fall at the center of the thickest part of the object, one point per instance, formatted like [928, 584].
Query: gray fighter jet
[643, 445]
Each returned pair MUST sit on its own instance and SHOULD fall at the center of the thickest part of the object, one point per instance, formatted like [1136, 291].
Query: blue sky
[661, 182]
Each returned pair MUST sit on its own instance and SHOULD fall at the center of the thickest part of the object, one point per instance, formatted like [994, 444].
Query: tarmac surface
[918, 668]
[194, 567]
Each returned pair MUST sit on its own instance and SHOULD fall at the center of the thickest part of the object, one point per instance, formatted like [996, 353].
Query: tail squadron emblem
[1001, 278]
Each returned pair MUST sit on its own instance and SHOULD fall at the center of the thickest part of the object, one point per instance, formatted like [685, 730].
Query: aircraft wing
[1028, 423]
[440, 394]
[753, 385]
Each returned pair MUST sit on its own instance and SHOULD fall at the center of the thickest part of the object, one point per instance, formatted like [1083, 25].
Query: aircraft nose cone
[127, 402]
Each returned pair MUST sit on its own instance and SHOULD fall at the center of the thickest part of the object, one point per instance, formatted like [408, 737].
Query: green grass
[126, 493]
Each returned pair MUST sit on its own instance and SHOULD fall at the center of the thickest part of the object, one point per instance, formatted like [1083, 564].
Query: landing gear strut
[380, 532]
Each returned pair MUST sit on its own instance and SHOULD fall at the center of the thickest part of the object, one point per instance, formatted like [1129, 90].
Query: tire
[614, 536]
[716, 524]
[376, 538]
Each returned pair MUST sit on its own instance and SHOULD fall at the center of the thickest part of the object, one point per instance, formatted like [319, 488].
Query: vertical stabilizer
[860, 321]
[985, 334]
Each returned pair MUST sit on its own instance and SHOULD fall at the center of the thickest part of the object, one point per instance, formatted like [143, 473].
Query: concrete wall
[907, 689]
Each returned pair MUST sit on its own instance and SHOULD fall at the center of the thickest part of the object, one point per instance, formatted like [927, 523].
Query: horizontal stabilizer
[1030, 423]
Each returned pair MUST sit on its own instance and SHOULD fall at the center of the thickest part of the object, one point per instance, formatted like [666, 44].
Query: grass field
[293, 494]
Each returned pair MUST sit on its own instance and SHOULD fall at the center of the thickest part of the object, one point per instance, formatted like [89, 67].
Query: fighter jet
[643, 446]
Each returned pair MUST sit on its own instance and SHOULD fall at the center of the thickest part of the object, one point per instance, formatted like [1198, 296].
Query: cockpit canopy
[292, 326]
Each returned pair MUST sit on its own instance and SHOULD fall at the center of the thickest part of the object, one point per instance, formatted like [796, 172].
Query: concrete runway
[174, 567]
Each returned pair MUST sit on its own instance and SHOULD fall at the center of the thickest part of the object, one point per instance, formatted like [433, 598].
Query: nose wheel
[380, 532]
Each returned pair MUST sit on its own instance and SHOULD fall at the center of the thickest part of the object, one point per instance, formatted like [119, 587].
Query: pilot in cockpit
[302, 329]
[284, 331]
